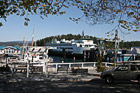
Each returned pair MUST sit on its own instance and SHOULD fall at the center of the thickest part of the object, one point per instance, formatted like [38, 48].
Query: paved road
[63, 83]
[93, 86]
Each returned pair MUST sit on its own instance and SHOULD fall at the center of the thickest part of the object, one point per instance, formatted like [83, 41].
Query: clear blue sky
[14, 29]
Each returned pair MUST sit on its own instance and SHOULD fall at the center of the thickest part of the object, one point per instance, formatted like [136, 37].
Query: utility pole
[101, 46]
[116, 39]
[116, 46]
[83, 35]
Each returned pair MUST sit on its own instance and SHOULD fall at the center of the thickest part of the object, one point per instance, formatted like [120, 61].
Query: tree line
[108, 45]
[11, 44]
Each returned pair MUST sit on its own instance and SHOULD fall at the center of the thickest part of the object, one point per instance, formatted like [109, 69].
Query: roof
[135, 50]
[3, 47]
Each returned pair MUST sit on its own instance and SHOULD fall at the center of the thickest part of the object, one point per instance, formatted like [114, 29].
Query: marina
[37, 61]
[45, 59]
[69, 46]
[64, 61]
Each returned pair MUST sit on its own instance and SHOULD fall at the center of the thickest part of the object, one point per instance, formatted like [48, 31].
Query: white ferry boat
[72, 46]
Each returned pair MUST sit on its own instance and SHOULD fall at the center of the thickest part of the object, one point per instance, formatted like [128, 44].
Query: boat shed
[135, 50]
[132, 55]
[13, 50]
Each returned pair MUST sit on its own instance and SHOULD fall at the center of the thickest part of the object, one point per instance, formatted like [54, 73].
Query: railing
[82, 64]
[69, 64]
[25, 65]
[92, 65]
[54, 67]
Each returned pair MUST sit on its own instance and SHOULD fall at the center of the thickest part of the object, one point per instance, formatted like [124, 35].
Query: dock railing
[82, 65]
[55, 67]
[70, 65]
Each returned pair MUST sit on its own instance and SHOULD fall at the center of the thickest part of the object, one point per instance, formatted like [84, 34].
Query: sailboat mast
[33, 36]
[26, 47]
[35, 43]
[23, 45]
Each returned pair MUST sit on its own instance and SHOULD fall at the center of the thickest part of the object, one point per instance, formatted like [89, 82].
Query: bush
[100, 67]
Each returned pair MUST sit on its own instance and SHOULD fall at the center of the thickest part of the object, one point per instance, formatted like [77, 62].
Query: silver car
[122, 72]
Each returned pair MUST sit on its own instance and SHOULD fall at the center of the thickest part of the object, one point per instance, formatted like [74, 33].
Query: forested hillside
[127, 45]
[43, 41]
[10, 43]
[14, 43]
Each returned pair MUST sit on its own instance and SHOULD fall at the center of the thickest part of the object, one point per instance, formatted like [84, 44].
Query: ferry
[72, 46]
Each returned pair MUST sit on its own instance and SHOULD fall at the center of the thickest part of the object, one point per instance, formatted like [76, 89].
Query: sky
[14, 29]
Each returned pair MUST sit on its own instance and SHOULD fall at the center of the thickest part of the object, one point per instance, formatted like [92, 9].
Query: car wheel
[139, 80]
[109, 79]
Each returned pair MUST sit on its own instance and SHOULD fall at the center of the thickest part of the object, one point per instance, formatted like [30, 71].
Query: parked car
[122, 72]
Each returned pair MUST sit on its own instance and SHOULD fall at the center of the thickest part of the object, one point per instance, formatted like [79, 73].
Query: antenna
[83, 34]
[33, 36]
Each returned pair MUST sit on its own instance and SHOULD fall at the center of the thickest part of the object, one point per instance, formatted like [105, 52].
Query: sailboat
[36, 53]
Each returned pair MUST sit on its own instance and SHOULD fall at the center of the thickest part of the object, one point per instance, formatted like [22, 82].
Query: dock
[48, 68]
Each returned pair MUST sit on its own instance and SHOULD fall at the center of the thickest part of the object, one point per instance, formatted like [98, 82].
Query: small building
[135, 50]
[132, 55]
[128, 57]
[12, 50]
